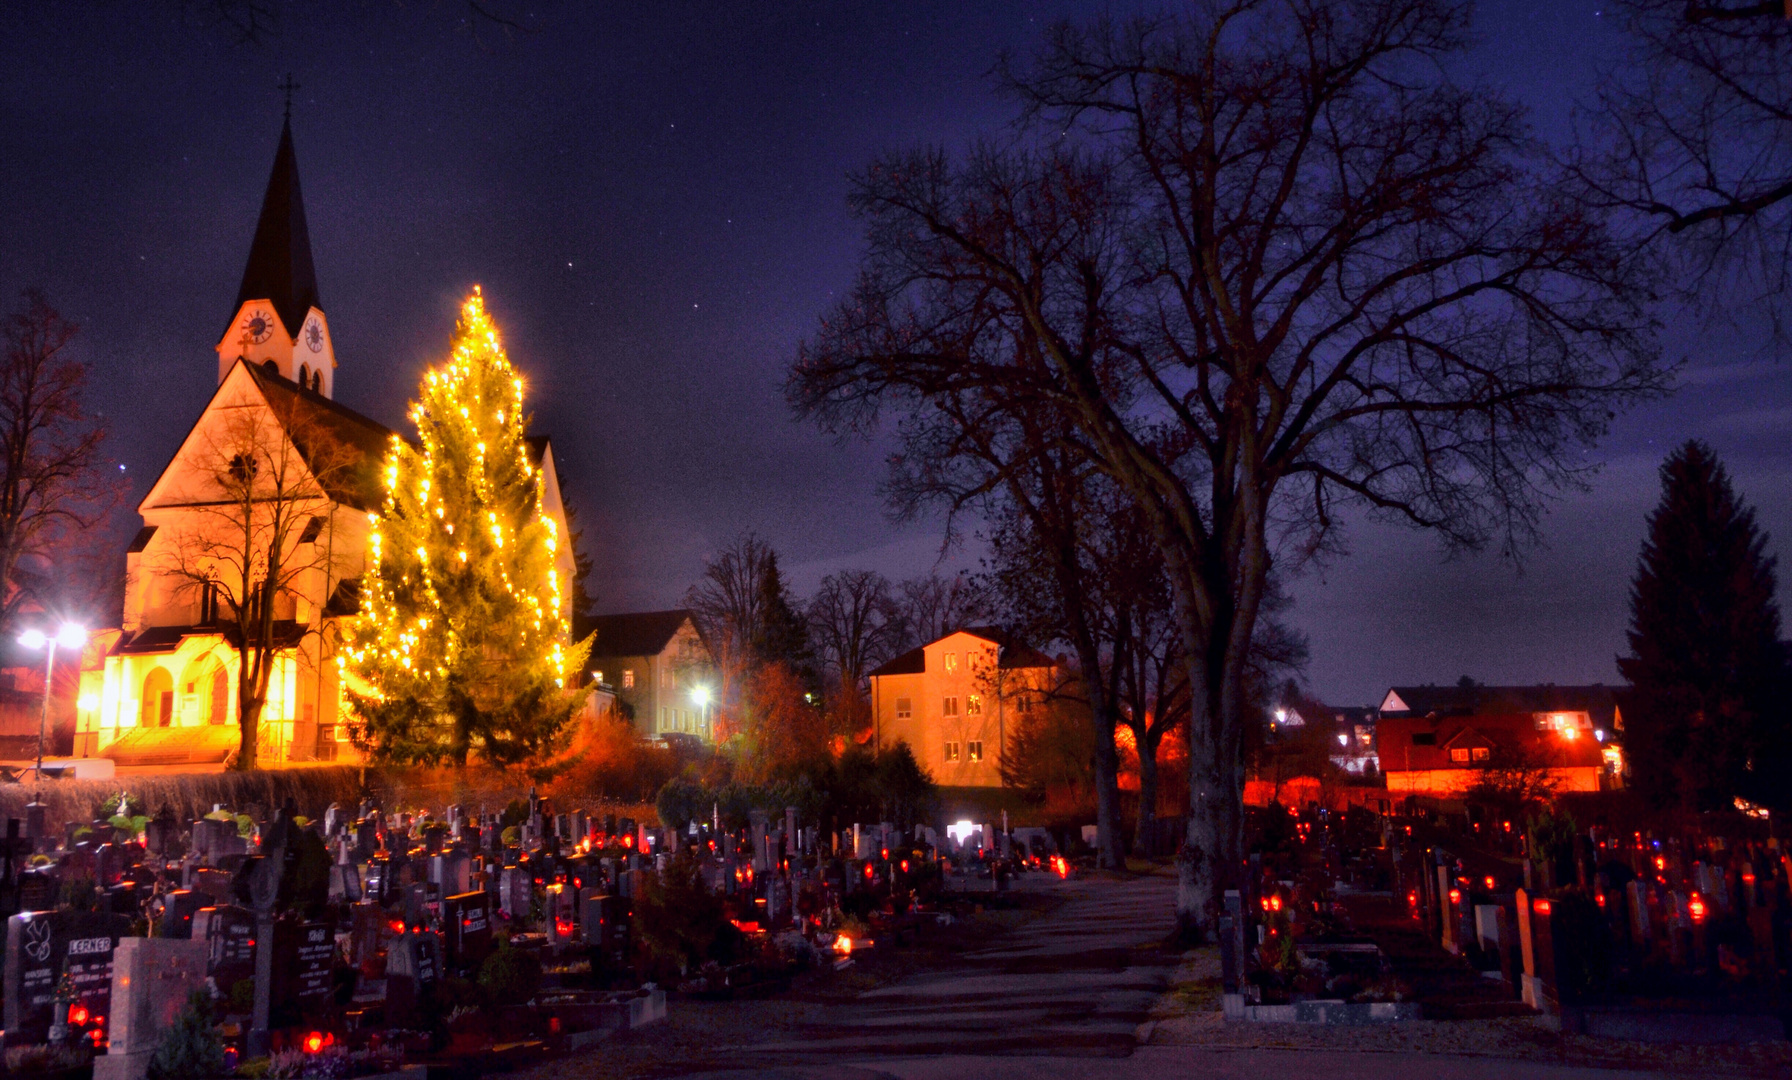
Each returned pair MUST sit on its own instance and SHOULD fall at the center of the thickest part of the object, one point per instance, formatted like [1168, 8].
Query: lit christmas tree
[463, 642]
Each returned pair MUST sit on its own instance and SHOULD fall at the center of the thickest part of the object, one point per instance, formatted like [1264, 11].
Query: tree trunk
[1142, 836]
[249, 720]
[1112, 855]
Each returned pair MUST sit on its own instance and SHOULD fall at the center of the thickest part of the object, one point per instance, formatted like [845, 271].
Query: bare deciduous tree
[1267, 261]
[855, 625]
[254, 542]
[52, 483]
[933, 606]
[1692, 136]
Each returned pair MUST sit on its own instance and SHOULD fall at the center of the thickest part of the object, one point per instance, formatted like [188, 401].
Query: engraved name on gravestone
[467, 918]
[303, 953]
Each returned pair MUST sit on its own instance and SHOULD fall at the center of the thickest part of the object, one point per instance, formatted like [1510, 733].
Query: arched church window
[158, 698]
[317, 380]
[220, 704]
[270, 367]
[305, 376]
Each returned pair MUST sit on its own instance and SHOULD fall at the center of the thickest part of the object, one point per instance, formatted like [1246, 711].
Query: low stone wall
[1329, 1011]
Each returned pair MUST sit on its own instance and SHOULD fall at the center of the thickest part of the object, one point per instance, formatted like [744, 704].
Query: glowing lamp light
[1489, 883]
[1541, 907]
[1696, 908]
[700, 696]
[1455, 896]
[78, 1014]
[843, 945]
[314, 1042]
[869, 873]
[1599, 898]
[1343, 739]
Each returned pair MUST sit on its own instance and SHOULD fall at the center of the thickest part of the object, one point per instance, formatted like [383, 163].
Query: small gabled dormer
[279, 323]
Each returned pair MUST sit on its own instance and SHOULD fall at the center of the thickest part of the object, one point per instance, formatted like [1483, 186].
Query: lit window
[628, 678]
[951, 662]
[1459, 755]
[949, 707]
[904, 708]
[597, 676]
[1481, 753]
[973, 705]
[974, 750]
[951, 751]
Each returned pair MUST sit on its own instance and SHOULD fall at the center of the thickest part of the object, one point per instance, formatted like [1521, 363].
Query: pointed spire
[280, 269]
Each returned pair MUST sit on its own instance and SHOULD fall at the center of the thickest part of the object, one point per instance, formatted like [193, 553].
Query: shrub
[191, 1048]
[510, 976]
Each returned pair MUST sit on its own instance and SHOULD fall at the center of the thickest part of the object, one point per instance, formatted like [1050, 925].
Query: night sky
[652, 196]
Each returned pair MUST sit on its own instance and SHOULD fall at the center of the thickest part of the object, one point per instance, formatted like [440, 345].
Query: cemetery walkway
[1078, 979]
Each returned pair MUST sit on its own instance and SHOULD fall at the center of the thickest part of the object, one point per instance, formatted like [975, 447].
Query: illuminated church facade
[161, 689]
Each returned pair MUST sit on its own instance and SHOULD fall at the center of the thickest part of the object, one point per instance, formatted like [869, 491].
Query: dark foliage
[1707, 721]
[191, 1048]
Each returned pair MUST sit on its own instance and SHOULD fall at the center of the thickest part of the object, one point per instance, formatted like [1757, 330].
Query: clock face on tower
[259, 325]
[314, 334]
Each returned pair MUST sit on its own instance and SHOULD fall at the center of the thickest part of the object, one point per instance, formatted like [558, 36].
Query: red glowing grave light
[1455, 896]
[1696, 908]
[1413, 897]
[905, 866]
[78, 1014]
[1748, 879]
[1541, 907]
[314, 1042]
[869, 873]
[1489, 882]
[1599, 898]
[1661, 862]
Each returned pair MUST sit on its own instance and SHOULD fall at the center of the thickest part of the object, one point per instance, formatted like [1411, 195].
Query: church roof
[311, 417]
[280, 269]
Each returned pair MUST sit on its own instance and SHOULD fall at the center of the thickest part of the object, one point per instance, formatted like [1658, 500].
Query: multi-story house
[657, 665]
[953, 700]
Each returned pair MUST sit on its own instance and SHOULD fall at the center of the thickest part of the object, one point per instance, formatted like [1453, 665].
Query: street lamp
[700, 697]
[69, 636]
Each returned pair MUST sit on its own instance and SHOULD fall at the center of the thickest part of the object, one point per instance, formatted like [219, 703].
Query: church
[273, 464]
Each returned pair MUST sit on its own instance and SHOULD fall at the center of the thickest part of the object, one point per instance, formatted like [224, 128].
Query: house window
[974, 749]
[1480, 753]
[905, 708]
[628, 678]
[949, 707]
[951, 661]
[973, 705]
[1424, 738]
[1459, 755]
[951, 751]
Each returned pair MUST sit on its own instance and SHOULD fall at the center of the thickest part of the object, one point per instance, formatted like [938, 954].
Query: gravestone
[345, 883]
[367, 922]
[151, 978]
[229, 933]
[413, 966]
[40, 947]
[178, 908]
[515, 892]
[467, 918]
[303, 955]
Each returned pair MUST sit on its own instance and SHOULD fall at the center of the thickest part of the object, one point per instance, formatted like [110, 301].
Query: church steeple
[280, 270]
[279, 322]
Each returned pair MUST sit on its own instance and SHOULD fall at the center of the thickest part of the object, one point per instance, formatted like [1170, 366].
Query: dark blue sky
[652, 197]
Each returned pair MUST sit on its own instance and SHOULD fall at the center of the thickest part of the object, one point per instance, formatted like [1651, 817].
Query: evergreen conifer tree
[463, 643]
[1706, 717]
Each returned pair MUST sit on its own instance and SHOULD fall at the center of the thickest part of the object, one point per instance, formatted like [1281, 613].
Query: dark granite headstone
[40, 946]
[231, 932]
[303, 956]
[178, 908]
[467, 918]
[413, 966]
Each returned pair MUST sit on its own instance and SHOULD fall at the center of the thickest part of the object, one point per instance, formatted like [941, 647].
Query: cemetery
[359, 941]
[1665, 934]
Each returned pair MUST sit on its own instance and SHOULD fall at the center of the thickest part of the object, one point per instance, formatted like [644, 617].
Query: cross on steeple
[288, 86]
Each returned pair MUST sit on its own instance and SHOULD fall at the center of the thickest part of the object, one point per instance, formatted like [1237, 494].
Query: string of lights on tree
[463, 639]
